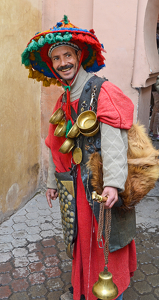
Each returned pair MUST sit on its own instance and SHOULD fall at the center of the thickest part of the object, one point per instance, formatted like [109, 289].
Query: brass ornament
[77, 155]
[70, 188]
[93, 132]
[57, 116]
[105, 288]
[98, 198]
[87, 121]
[60, 129]
[67, 146]
[73, 132]
[68, 251]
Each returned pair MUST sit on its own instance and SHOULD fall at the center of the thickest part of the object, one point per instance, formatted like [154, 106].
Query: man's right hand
[51, 194]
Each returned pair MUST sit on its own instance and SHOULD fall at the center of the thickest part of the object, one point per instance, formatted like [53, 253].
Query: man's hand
[51, 194]
[112, 194]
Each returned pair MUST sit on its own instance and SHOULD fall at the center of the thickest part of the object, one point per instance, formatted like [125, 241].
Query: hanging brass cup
[60, 129]
[87, 121]
[57, 116]
[91, 133]
[67, 146]
[73, 132]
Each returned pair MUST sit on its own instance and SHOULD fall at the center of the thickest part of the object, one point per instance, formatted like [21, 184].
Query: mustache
[65, 67]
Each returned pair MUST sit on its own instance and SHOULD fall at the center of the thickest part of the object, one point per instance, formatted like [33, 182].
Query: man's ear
[79, 54]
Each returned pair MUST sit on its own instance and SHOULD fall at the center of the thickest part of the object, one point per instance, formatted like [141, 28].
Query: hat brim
[35, 56]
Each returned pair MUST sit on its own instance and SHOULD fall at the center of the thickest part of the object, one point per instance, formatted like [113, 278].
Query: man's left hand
[112, 194]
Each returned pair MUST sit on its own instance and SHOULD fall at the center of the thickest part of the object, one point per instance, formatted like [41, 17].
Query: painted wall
[20, 107]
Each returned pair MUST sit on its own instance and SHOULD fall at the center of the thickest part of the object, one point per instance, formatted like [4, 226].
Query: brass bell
[105, 288]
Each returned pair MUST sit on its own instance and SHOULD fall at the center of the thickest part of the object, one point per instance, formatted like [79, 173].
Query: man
[65, 62]
[70, 55]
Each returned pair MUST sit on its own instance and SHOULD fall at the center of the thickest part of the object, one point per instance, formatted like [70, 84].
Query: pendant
[77, 155]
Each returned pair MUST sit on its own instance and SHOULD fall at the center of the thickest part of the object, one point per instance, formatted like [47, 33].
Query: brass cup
[60, 129]
[67, 146]
[87, 121]
[91, 133]
[73, 132]
[57, 116]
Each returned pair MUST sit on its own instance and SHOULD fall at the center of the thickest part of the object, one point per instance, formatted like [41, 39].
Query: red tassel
[68, 105]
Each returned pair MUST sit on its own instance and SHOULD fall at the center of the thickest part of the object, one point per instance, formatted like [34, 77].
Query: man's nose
[63, 62]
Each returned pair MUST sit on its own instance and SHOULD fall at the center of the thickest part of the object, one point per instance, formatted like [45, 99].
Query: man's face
[65, 62]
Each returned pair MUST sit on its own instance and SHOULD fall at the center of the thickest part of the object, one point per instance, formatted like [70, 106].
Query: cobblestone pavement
[33, 263]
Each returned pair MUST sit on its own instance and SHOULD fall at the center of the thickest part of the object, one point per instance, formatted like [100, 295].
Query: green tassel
[41, 41]
[68, 127]
[65, 19]
[25, 58]
[33, 46]
[67, 37]
[59, 38]
[49, 38]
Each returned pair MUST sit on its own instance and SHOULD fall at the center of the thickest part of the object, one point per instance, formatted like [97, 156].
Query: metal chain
[107, 230]
[100, 222]
[107, 234]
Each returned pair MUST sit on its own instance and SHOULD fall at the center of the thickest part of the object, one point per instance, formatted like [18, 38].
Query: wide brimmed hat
[36, 55]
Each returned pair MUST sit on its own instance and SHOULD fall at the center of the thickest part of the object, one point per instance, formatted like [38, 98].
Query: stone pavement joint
[34, 265]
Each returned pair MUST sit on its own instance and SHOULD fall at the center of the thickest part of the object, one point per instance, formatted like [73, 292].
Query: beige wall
[20, 107]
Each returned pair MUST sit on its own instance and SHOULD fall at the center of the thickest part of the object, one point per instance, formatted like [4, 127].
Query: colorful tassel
[50, 38]
[65, 19]
[68, 127]
[33, 46]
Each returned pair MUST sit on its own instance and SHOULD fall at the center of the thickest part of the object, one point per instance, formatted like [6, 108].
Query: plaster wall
[20, 107]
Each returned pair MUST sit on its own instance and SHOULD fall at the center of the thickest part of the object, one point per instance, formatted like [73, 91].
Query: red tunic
[88, 259]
